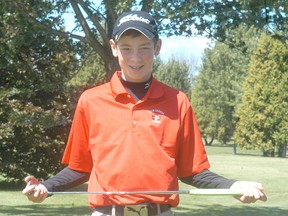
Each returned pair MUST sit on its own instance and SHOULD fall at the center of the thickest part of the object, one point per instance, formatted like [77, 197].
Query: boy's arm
[252, 191]
[208, 179]
[64, 180]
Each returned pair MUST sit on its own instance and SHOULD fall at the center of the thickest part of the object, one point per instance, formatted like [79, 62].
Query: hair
[134, 33]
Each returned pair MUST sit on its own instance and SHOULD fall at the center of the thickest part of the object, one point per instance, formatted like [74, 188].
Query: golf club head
[33, 181]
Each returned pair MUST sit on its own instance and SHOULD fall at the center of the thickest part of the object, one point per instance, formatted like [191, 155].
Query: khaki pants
[166, 213]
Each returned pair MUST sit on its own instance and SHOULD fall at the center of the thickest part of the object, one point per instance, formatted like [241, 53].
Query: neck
[137, 90]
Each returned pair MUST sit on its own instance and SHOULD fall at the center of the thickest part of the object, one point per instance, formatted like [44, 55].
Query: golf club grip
[216, 192]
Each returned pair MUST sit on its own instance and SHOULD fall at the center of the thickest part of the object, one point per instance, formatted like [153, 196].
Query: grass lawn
[272, 172]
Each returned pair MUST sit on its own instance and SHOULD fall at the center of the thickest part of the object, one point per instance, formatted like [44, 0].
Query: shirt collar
[117, 88]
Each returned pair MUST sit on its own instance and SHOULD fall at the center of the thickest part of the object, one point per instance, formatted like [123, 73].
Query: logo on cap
[134, 17]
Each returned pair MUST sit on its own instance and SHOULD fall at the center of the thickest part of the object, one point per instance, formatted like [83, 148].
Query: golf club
[203, 192]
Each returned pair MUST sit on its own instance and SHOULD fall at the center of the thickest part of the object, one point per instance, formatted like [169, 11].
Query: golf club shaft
[207, 192]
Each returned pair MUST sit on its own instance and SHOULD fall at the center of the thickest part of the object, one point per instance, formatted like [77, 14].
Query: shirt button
[134, 122]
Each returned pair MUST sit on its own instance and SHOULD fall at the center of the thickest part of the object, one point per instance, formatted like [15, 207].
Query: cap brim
[147, 33]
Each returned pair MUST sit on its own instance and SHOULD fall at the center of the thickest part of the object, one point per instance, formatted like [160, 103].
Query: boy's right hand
[34, 191]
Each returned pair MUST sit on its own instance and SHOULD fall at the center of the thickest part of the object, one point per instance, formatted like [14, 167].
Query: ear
[114, 48]
[157, 47]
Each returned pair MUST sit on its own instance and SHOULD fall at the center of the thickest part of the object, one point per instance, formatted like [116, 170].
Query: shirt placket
[134, 118]
[135, 115]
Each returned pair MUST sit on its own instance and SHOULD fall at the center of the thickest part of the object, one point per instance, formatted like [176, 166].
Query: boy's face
[135, 56]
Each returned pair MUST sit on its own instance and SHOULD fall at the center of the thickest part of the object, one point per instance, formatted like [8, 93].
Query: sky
[190, 48]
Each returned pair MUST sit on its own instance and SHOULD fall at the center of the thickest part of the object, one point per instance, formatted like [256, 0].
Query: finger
[28, 190]
[246, 199]
[36, 193]
[44, 190]
[252, 194]
[39, 191]
[259, 192]
[34, 196]
[263, 196]
[40, 194]
[42, 197]
[258, 186]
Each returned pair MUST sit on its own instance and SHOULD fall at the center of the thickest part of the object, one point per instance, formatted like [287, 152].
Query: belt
[149, 209]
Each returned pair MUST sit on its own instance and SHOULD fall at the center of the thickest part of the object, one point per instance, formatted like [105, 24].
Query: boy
[136, 134]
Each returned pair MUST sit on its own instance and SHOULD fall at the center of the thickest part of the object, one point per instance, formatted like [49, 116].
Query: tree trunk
[235, 149]
[282, 151]
[269, 153]
[208, 143]
[111, 67]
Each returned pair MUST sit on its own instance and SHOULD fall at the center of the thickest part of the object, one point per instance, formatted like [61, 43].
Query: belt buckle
[136, 210]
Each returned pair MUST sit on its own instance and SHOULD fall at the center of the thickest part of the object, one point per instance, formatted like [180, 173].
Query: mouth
[136, 68]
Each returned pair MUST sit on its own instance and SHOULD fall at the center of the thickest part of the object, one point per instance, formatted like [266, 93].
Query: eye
[145, 48]
[125, 48]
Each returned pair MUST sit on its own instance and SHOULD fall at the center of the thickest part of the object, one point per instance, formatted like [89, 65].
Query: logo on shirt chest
[156, 115]
[156, 118]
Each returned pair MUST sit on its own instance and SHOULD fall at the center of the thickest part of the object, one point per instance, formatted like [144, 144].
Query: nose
[136, 56]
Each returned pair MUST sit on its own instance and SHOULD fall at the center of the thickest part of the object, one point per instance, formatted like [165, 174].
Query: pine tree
[175, 73]
[263, 114]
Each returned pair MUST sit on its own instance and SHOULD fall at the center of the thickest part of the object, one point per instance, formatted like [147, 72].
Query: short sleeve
[77, 153]
[191, 155]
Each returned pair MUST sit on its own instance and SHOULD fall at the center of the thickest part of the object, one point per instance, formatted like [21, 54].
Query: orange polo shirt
[134, 146]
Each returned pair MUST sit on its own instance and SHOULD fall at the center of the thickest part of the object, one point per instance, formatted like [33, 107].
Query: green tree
[34, 105]
[91, 73]
[263, 114]
[95, 19]
[217, 88]
[175, 73]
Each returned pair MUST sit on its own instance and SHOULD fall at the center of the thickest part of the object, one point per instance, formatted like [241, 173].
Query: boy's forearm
[208, 179]
[66, 179]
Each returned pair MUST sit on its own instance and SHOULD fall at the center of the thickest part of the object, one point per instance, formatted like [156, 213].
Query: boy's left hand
[34, 191]
[252, 191]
